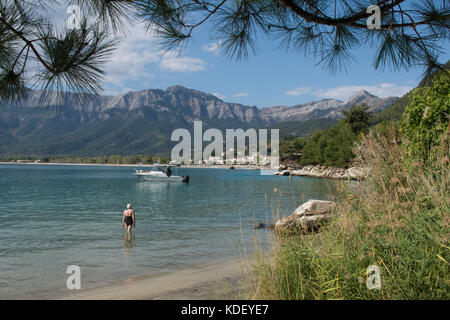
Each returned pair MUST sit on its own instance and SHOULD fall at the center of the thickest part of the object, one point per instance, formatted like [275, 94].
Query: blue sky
[271, 77]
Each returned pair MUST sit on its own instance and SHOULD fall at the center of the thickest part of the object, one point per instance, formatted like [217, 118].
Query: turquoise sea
[53, 216]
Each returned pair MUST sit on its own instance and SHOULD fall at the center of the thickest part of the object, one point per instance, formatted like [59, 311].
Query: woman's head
[129, 206]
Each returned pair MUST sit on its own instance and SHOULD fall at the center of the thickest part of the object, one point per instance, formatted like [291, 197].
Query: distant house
[214, 160]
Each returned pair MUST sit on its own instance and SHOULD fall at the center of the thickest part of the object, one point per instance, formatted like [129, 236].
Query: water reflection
[156, 186]
[129, 242]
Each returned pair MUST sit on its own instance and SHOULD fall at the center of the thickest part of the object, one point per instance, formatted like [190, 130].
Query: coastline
[212, 281]
[75, 164]
[200, 166]
[222, 166]
[318, 171]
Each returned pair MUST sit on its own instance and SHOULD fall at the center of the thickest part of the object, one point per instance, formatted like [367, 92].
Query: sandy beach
[218, 280]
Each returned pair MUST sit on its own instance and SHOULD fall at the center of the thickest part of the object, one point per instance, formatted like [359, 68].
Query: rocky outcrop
[308, 217]
[321, 172]
[326, 108]
[193, 104]
[327, 172]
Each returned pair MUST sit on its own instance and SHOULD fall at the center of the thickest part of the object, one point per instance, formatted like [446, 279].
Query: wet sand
[218, 280]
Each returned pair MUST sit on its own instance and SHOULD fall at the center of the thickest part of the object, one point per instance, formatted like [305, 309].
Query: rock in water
[264, 226]
[308, 217]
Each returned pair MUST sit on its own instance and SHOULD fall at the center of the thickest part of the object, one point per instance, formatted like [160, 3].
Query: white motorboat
[156, 174]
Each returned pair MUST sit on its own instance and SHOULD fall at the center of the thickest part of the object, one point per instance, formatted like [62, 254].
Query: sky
[272, 77]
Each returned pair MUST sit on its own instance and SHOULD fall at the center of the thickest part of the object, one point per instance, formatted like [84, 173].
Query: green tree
[333, 146]
[290, 145]
[411, 34]
[330, 147]
[426, 118]
[358, 118]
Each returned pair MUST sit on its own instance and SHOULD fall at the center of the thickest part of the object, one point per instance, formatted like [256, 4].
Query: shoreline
[200, 166]
[215, 280]
[319, 171]
[75, 164]
[221, 166]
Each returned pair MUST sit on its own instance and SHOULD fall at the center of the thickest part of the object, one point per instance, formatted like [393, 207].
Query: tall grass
[398, 219]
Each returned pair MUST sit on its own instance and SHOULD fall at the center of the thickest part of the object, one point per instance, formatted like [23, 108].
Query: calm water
[56, 216]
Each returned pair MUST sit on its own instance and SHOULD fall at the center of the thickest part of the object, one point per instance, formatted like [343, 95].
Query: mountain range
[141, 122]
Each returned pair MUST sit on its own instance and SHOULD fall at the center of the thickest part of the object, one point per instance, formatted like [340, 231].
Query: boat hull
[160, 177]
[166, 179]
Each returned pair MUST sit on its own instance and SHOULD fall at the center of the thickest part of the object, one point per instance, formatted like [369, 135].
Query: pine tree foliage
[410, 35]
[34, 54]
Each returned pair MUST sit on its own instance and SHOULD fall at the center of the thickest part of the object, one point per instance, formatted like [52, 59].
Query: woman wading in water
[128, 218]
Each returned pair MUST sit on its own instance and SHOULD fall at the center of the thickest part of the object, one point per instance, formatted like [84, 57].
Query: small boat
[156, 174]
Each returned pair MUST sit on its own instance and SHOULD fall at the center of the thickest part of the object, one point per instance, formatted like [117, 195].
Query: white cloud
[137, 57]
[132, 59]
[130, 65]
[171, 61]
[382, 90]
[298, 91]
[213, 47]
[387, 85]
[242, 94]
[218, 95]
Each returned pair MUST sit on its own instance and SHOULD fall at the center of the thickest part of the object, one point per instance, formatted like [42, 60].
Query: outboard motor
[185, 178]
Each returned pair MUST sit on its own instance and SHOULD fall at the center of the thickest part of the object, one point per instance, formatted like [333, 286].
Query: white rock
[307, 217]
[313, 207]
[330, 172]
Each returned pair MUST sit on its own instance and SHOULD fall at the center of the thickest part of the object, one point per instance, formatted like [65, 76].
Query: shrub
[426, 118]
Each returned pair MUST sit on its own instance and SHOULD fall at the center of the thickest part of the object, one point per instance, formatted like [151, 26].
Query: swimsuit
[128, 220]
